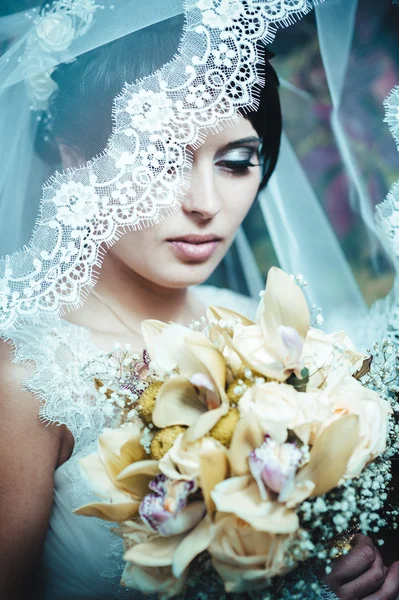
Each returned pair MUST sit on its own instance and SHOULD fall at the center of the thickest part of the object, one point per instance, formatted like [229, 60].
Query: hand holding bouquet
[246, 446]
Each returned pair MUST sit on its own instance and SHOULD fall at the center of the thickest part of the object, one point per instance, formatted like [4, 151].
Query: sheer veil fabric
[55, 224]
[195, 84]
[347, 111]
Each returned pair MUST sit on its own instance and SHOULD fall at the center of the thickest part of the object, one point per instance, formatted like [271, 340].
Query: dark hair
[77, 122]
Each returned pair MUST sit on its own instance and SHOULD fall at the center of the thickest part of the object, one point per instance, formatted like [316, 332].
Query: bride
[152, 272]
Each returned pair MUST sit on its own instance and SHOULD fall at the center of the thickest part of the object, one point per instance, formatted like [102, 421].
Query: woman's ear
[70, 157]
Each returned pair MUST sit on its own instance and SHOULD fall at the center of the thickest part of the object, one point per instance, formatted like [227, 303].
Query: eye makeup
[238, 157]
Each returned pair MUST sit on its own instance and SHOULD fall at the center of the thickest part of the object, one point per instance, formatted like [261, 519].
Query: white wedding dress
[82, 558]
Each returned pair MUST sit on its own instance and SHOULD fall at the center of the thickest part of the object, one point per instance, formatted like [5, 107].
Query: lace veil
[187, 85]
[55, 224]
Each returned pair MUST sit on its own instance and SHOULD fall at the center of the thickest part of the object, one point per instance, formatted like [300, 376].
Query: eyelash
[237, 168]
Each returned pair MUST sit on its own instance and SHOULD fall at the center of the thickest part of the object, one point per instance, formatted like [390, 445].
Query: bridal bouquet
[239, 449]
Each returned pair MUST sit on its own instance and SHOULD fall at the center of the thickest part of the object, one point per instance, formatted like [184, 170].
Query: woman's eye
[237, 166]
[238, 162]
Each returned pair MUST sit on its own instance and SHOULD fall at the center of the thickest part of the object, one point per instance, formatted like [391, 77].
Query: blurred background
[373, 71]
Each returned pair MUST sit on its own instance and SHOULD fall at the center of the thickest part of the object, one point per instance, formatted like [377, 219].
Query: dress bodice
[82, 557]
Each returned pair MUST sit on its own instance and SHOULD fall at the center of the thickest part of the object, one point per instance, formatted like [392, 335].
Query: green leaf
[299, 384]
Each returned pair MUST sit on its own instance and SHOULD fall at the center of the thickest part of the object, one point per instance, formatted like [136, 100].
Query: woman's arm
[29, 454]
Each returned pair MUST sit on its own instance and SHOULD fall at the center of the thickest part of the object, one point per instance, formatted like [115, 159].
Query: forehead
[231, 131]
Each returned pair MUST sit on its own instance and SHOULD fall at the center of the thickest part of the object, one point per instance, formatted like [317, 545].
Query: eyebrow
[242, 142]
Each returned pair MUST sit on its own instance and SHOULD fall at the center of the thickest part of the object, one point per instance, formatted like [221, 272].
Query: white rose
[55, 32]
[244, 557]
[41, 86]
[182, 461]
[350, 397]
[315, 408]
[276, 407]
[324, 360]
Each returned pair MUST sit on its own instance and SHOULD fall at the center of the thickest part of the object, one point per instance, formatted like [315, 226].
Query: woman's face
[186, 247]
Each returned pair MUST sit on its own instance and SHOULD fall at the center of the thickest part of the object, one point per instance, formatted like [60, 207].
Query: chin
[186, 275]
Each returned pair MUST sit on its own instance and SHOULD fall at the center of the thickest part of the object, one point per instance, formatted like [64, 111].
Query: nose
[202, 200]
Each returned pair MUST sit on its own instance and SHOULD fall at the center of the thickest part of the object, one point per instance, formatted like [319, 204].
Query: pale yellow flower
[276, 406]
[241, 495]
[280, 408]
[205, 462]
[245, 557]
[183, 460]
[160, 564]
[281, 342]
[329, 356]
[119, 452]
[314, 409]
[150, 574]
[195, 395]
[217, 315]
[273, 345]
[329, 458]
[349, 397]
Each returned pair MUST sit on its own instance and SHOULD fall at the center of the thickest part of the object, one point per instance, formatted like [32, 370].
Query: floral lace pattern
[58, 352]
[383, 319]
[392, 113]
[141, 174]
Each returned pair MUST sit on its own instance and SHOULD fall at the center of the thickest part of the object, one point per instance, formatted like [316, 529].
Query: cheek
[135, 248]
[238, 195]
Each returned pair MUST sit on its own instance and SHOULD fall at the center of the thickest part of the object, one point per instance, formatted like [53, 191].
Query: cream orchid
[194, 395]
[149, 574]
[118, 450]
[169, 505]
[274, 466]
[273, 345]
[166, 509]
[241, 496]
[159, 564]
[251, 493]
[133, 486]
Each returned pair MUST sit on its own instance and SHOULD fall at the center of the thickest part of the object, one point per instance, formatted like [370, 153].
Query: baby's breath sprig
[316, 315]
[200, 325]
[383, 377]
[120, 377]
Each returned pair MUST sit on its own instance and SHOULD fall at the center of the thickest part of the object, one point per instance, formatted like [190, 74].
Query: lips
[194, 247]
[196, 239]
